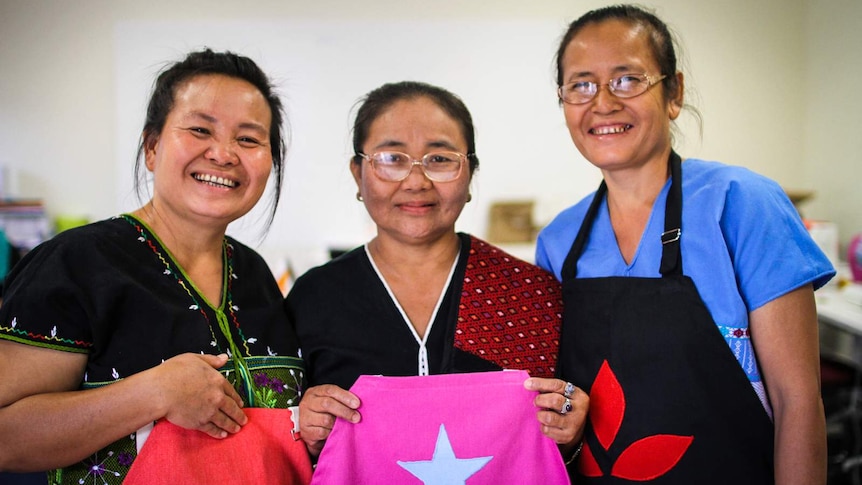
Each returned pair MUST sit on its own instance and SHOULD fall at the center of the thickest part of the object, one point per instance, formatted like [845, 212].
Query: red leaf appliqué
[587, 465]
[607, 405]
[651, 457]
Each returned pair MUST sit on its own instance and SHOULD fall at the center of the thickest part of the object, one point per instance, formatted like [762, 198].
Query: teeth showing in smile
[610, 130]
[215, 181]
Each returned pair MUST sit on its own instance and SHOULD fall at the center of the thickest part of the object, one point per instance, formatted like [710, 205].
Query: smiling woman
[414, 300]
[211, 160]
[157, 315]
[676, 288]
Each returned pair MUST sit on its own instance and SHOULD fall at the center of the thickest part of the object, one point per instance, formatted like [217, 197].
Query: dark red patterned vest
[510, 311]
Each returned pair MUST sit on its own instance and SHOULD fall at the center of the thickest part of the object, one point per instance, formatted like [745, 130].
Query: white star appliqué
[444, 468]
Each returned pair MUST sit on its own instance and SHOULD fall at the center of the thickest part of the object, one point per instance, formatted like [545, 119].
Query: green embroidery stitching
[42, 340]
[246, 380]
[41, 344]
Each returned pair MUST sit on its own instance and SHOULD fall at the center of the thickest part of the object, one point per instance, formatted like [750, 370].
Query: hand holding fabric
[195, 395]
[563, 411]
[319, 408]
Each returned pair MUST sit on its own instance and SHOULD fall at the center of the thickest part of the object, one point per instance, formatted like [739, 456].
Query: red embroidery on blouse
[510, 311]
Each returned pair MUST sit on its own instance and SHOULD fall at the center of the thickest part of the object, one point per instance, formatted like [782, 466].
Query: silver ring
[567, 406]
[569, 390]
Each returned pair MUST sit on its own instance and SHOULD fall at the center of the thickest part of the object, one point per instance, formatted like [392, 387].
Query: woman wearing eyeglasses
[419, 298]
[688, 286]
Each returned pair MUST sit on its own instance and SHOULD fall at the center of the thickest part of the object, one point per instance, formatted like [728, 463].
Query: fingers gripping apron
[669, 403]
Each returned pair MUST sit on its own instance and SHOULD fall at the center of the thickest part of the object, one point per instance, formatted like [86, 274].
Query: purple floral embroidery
[263, 380]
[260, 379]
[277, 385]
[125, 458]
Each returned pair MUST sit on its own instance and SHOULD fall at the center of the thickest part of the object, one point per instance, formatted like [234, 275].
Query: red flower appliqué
[646, 458]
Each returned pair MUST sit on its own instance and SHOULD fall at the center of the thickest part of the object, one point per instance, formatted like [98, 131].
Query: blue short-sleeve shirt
[743, 244]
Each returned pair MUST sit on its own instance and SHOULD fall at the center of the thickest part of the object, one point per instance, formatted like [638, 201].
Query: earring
[359, 196]
[469, 197]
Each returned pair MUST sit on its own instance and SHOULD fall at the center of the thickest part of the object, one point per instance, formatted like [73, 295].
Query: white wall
[833, 116]
[323, 66]
[766, 76]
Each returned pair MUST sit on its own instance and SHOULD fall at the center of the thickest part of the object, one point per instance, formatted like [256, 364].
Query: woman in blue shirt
[688, 286]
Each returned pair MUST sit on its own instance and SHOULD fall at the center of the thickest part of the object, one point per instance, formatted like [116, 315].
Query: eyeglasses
[625, 86]
[396, 166]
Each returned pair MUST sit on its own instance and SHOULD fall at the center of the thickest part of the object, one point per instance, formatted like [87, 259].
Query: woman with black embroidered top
[156, 314]
[420, 298]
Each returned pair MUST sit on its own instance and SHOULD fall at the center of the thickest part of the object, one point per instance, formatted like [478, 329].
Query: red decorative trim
[510, 311]
[651, 457]
[646, 458]
[587, 465]
[607, 405]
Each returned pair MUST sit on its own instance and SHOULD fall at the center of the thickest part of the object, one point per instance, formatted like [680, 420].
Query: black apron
[669, 403]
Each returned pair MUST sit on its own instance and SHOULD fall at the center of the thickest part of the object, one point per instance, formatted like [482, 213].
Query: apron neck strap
[671, 260]
[570, 266]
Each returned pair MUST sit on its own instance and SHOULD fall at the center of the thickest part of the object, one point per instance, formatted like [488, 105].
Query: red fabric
[587, 465]
[510, 312]
[651, 457]
[264, 452]
[645, 459]
[607, 405]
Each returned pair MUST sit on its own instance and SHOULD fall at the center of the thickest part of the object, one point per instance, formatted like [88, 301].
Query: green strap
[238, 362]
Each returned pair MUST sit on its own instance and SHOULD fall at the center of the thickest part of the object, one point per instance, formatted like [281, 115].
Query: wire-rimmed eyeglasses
[396, 166]
[625, 86]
